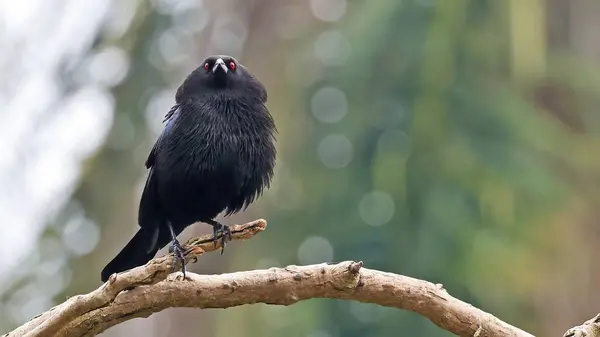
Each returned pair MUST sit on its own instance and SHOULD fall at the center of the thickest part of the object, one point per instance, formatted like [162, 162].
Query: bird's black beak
[219, 63]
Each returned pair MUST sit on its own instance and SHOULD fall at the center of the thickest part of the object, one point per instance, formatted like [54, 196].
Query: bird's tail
[138, 251]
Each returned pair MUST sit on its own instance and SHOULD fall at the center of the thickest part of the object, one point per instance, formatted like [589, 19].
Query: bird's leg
[177, 251]
[221, 229]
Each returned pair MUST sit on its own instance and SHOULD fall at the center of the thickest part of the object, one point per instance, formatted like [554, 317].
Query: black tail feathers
[138, 251]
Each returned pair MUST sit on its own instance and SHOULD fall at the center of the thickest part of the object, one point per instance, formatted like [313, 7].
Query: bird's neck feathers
[222, 109]
[242, 86]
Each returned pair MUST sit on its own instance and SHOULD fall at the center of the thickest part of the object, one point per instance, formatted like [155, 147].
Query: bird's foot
[178, 254]
[224, 232]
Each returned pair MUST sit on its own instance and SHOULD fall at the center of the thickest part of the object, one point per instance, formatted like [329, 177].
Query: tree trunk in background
[570, 294]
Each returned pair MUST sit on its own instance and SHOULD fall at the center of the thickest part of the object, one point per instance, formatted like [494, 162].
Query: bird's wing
[171, 112]
[168, 121]
[149, 211]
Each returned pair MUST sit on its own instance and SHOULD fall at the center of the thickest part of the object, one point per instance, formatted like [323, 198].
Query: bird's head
[219, 68]
[221, 73]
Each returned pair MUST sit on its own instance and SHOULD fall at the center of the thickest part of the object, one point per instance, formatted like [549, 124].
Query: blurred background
[454, 141]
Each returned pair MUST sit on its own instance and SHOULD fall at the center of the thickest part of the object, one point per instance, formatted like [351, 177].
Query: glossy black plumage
[216, 154]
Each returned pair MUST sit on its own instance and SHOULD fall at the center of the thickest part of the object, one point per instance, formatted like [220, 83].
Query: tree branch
[156, 270]
[590, 328]
[286, 286]
[151, 288]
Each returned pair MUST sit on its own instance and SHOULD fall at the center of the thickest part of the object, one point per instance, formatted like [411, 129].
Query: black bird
[216, 154]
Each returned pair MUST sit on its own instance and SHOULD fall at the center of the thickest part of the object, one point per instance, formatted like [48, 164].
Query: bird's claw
[178, 254]
[224, 232]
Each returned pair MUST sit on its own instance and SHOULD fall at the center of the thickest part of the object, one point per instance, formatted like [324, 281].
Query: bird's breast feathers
[209, 137]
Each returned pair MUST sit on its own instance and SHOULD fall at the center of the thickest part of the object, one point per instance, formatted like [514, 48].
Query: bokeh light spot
[109, 66]
[376, 208]
[174, 46]
[332, 47]
[335, 151]
[229, 34]
[329, 105]
[81, 235]
[315, 249]
[328, 10]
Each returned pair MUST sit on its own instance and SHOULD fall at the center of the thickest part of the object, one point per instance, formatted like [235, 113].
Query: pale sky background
[44, 135]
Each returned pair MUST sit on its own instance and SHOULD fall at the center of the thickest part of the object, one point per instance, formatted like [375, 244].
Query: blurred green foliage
[442, 120]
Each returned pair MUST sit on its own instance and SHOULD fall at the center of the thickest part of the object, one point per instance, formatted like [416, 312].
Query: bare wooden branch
[286, 286]
[48, 323]
[151, 288]
[590, 328]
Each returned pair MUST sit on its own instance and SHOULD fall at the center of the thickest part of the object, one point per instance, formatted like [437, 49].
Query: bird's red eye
[232, 65]
[206, 66]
